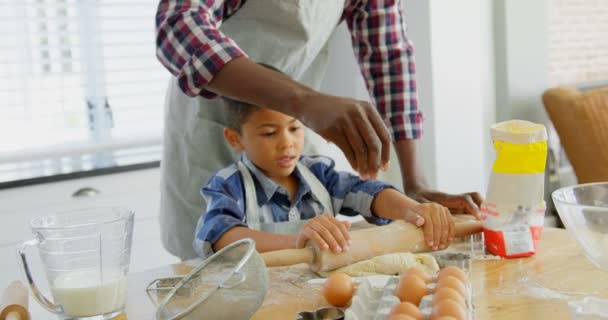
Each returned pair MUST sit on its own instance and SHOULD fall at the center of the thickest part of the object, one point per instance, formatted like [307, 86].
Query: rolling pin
[399, 236]
[15, 302]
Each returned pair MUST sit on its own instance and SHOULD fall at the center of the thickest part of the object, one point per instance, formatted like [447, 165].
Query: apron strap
[251, 200]
[318, 189]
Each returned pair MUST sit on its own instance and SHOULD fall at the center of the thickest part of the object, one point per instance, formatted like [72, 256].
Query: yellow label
[520, 158]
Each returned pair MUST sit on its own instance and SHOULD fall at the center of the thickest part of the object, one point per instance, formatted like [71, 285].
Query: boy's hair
[237, 112]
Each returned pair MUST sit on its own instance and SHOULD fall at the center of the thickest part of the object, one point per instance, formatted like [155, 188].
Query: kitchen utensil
[14, 302]
[327, 313]
[86, 256]
[399, 236]
[231, 284]
[584, 211]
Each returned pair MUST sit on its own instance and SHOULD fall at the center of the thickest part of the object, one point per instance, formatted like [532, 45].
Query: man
[214, 47]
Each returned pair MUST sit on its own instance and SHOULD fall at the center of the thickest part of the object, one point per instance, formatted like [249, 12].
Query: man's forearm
[412, 172]
[245, 80]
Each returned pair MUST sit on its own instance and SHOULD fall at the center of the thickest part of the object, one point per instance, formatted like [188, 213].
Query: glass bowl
[584, 211]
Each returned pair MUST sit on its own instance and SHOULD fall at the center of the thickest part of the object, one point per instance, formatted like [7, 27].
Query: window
[80, 86]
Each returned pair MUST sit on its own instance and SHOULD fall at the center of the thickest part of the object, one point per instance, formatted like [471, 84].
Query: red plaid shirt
[192, 47]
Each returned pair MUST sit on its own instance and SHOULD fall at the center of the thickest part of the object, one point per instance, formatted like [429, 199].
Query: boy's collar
[270, 186]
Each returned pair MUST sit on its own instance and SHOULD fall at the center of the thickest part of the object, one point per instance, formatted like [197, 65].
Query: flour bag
[514, 209]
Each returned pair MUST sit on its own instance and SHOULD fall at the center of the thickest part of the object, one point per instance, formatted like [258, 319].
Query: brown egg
[406, 308]
[411, 289]
[453, 271]
[454, 283]
[446, 318]
[448, 293]
[448, 308]
[417, 272]
[400, 317]
[338, 289]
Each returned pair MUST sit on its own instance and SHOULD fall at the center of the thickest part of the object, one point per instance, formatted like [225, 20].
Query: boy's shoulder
[225, 173]
[310, 161]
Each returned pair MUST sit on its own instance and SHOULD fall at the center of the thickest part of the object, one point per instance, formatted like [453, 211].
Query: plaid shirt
[225, 195]
[190, 44]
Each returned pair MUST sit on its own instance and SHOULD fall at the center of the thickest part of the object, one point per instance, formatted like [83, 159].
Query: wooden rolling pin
[399, 236]
[15, 302]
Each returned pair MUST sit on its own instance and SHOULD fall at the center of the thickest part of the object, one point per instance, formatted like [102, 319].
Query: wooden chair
[581, 121]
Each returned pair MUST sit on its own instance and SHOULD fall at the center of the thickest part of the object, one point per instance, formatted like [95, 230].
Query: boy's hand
[326, 232]
[436, 222]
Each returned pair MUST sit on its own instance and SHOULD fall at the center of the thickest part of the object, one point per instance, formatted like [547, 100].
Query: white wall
[521, 47]
[463, 98]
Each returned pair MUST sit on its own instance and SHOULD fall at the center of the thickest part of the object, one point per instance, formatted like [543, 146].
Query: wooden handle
[399, 236]
[14, 302]
[463, 229]
[288, 257]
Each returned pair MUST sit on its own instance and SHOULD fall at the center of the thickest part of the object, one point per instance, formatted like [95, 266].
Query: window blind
[80, 86]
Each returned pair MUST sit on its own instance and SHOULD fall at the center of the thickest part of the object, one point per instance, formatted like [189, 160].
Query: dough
[389, 264]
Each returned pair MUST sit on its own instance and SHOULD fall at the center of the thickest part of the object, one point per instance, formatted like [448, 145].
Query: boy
[282, 199]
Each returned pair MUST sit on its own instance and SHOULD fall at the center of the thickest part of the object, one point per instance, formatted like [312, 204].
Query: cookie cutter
[327, 313]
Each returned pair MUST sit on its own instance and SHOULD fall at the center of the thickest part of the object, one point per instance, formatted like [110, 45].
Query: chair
[581, 121]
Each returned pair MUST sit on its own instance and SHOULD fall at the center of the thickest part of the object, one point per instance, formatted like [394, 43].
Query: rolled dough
[388, 264]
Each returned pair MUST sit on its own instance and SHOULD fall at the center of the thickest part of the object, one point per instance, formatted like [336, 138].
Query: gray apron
[261, 218]
[291, 35]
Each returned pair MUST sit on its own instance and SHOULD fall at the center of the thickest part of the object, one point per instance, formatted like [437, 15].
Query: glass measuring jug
[85, 254]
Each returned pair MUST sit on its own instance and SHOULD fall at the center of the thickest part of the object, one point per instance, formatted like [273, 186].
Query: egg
[411, 289]
[448, 308]
[338, 289]
[453, 271]
[448, 293]
[400, 317]
[406, 308]
[417, 272]
[454, 283]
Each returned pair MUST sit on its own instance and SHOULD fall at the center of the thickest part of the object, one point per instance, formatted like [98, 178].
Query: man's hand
[436, 222]
[354, 126]
[457, 203]
[326, 232]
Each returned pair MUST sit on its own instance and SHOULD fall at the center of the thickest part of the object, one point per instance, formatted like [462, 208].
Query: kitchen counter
[537, 287]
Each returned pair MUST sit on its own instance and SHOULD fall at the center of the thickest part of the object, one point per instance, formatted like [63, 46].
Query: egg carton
[372, 303]
[375, 303]
[590, 308]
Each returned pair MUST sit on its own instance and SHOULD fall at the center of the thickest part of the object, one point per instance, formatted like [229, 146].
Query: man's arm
[207, 63]
[412, 173]
[386, 58]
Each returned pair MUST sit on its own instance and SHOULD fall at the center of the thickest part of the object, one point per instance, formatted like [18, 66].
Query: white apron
[290, 35]
[256, 215]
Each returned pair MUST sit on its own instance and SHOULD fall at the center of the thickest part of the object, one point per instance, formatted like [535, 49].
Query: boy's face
[272, 140]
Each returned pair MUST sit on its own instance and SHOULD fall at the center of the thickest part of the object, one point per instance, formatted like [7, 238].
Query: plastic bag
[514, 208]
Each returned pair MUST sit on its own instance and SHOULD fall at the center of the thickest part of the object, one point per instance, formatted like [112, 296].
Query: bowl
[583, 209]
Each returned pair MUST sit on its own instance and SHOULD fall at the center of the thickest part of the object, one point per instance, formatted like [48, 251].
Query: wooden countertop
[537, 287]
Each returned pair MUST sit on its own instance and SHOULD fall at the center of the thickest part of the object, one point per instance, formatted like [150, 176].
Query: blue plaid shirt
[225, 195]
